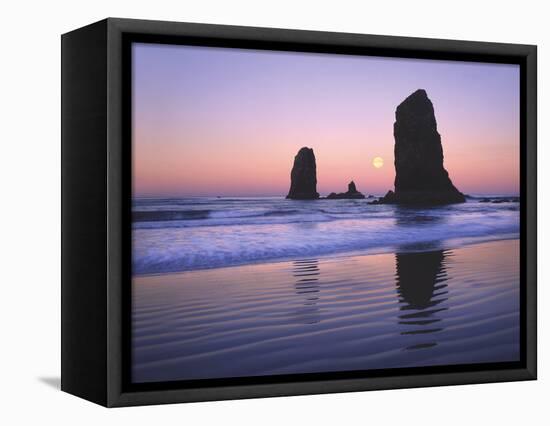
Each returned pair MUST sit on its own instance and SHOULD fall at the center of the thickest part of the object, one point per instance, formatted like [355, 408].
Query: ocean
[182, 234]
[235, 287]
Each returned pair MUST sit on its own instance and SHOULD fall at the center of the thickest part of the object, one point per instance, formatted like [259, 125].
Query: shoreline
[450, 244]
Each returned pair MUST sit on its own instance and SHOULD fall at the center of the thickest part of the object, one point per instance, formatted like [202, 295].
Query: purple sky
[215, 121]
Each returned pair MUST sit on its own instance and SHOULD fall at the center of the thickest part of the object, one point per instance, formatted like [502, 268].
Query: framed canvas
[253, 212]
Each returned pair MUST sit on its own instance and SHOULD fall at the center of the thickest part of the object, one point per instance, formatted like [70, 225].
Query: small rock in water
[352, 193]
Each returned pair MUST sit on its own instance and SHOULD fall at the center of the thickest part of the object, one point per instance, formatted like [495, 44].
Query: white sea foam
[171, 235]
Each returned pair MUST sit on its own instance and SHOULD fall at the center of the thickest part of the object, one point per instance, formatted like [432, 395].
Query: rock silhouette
[303, 177]
[420, 177]
[351, 194]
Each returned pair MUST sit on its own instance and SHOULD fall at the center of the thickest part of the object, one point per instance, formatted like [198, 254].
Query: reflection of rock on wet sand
[421, 287]
[306, 272]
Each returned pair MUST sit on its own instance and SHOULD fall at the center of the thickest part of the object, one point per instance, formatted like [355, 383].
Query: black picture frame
[96, 207]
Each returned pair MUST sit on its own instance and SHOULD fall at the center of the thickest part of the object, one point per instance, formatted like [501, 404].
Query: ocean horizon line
[378, 195]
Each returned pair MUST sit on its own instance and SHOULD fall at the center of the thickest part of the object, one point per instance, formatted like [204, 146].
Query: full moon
[377, 162]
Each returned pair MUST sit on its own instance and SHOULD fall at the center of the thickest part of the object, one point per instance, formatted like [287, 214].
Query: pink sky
[213, 121]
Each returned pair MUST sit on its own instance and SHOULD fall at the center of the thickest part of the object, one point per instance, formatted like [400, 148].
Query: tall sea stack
[420, 177]
[303, 178]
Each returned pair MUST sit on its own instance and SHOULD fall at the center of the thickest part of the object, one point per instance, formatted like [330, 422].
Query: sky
[212, 121]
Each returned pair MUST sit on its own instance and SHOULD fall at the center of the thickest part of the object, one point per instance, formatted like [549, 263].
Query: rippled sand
[361, 312]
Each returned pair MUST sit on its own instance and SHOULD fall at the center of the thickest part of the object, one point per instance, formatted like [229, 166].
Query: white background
[30, 212]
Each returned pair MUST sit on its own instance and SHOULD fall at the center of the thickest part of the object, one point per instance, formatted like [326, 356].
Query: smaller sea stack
[352, 193]
[303, 177]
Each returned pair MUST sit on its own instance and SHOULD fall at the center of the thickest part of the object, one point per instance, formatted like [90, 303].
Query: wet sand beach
[333, 313]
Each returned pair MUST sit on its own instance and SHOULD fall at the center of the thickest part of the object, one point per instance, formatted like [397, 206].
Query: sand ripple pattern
[361, 312]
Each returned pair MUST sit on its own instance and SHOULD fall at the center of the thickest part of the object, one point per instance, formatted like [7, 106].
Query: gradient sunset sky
[214, 121]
